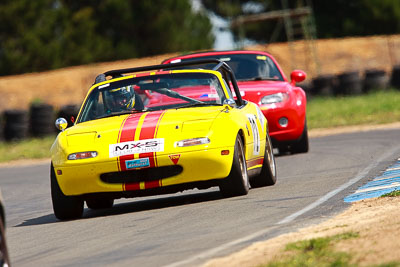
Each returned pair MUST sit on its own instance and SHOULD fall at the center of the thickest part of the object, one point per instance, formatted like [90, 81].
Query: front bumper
[86, 178]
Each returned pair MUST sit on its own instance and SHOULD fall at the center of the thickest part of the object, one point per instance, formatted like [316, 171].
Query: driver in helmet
[122, 99]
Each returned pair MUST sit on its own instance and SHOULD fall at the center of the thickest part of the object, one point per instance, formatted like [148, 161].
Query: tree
[47, 34]
[337, 18]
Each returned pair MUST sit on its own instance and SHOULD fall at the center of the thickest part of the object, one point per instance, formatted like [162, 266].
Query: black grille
[141, 175]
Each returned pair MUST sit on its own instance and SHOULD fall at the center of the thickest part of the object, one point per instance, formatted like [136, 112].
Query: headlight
[274, 98]
[82, 155]
[193, 142]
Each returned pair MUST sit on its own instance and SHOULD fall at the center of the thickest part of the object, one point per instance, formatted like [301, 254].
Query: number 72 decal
[256, 134]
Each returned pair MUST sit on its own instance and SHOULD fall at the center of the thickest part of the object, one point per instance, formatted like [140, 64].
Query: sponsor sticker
[262, 57]
[135, 147]
[137, 163]
[175, 158]
[209, 95]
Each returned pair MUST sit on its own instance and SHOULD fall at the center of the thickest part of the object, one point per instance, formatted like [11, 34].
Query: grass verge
[377, 107]
[34, 148]
[315, 252]
[395, 193]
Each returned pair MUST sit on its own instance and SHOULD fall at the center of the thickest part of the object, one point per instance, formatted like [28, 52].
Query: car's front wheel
[268, 170]
[237, 182]
[299, 146]
[302, 145]
[64, 207]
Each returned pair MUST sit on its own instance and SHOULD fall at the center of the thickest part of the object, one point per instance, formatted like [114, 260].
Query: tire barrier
[1, 129]
[375, 79]
[349, 83]
[16, 124]
[323, 85]
[67, 112]
[41, 120]
[307, 87]
[395, 78]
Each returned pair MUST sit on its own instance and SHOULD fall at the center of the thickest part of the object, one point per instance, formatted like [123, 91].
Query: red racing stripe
[128, 134]
[148, 131]
[132, 187]
[152, 184]
[255, 162]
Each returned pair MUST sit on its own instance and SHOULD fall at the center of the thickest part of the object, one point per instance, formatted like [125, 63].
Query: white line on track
[209, 253]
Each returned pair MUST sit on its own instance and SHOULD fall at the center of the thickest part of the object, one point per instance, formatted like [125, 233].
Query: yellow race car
[153, 130]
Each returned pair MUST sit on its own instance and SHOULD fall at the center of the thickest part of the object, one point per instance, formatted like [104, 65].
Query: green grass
[395, 193]
[315, 252]
[377, 107]
[33, 148]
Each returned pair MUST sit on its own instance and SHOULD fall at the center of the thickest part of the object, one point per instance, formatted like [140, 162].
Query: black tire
[237, 182]
[375, 80]
[16, 125]
[323, 85]
[4, 256]
[41, 120]
[99, 203]
[301, 146]
[64, 207]
[395, 77]
[350, 83]
[268, 170]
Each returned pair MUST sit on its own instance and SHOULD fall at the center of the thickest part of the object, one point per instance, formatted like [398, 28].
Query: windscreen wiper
[199, 104]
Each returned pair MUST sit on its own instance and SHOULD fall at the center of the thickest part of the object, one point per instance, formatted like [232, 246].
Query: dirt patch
[375, 221]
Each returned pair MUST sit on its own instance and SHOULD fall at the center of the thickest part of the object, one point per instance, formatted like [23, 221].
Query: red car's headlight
[274, 98]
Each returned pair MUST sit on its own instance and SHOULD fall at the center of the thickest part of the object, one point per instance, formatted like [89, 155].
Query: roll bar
[219, 66]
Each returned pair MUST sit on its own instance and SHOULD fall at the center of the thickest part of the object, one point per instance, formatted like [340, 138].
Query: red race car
[262, 81]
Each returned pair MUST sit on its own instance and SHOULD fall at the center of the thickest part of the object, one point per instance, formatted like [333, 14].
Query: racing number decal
[256, 134]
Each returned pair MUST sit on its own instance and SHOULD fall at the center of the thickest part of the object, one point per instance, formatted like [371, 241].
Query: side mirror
[297, 76]
[230, 102]
[61, 124]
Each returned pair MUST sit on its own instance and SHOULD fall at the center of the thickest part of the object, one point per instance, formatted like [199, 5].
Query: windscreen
[153, 92]
[246, 67]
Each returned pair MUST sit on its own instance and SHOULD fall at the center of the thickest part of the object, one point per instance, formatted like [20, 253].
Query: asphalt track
[187, 229]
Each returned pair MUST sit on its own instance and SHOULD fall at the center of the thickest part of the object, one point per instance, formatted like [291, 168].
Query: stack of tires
[395, 79]
[349, 83]
[16, 125]
[375, 80]
[41, 120]
[324, 85]
[1, 129]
